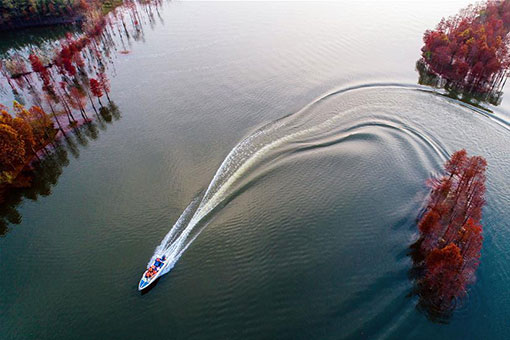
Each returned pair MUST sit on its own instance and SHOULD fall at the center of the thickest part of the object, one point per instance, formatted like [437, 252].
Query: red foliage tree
[470, 50]
[17, 141]
[450, 230]
[105, 84]
[443, 279]
[41, 125]
[12, 149]
[78, 100]
[96, 89]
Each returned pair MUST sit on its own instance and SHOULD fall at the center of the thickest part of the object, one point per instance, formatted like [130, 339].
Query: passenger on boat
[160, 261]
[151, 272]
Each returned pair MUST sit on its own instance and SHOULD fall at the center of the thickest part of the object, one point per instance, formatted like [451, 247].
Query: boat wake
[322, 123]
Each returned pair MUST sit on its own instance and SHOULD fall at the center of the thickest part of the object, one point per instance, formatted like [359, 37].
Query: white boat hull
[146, 282]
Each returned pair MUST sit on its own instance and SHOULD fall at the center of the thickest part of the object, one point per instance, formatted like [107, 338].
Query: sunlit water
[299, 136]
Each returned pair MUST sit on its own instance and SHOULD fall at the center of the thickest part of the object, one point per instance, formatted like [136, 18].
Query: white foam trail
[160, 250]
[244, 156]
[240, 159]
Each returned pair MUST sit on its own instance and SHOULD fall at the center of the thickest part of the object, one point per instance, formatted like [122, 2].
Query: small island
[468, 54]
[447, 253]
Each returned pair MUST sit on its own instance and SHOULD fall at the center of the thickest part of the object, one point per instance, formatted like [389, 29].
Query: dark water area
[25, 39]
[328, 142]
[42, 173]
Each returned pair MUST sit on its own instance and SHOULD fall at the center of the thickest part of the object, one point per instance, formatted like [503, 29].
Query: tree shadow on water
[427, 78]
[38, 179]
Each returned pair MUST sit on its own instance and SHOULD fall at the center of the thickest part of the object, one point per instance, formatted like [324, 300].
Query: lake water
[309, 220]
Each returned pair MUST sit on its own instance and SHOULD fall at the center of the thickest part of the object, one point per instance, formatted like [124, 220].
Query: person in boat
[151, 272]
[160, 261]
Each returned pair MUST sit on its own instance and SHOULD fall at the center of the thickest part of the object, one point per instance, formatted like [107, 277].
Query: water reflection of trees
[428, 78]
[43, 175]
[25, 40]
[67, 65]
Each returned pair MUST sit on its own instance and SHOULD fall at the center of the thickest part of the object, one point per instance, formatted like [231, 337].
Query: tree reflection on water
[38, 180]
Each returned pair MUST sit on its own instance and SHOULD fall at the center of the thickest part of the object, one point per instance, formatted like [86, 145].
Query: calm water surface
[309, 239]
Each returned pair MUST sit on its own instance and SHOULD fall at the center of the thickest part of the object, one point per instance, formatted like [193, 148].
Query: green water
[310, 241]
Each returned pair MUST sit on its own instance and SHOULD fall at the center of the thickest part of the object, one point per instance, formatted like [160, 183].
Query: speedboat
[147, 279]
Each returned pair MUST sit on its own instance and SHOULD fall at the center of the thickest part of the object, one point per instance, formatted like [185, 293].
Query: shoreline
[51, 22]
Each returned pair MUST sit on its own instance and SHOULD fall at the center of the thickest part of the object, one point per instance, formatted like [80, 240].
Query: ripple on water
[322, 210]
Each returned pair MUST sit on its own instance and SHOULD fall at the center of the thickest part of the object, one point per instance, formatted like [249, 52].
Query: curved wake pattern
[323, 122]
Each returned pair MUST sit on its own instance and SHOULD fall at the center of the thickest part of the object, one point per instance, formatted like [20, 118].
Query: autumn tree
[78, 100]
[450, 231]
[470, 51]
[17, 141]
[96, 89]
[444, 281]
[41, 125]
[12, 148]
[105, 84]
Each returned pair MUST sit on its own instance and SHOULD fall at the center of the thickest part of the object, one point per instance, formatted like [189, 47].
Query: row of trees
[61, 83]
[38, 179]
[69, 76]
[470, 50]
[450, 232]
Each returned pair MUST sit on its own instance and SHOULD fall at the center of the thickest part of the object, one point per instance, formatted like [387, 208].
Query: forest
[448, 251]
[468, 53]
[63, 83]
[22, 137]
[38, 178]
